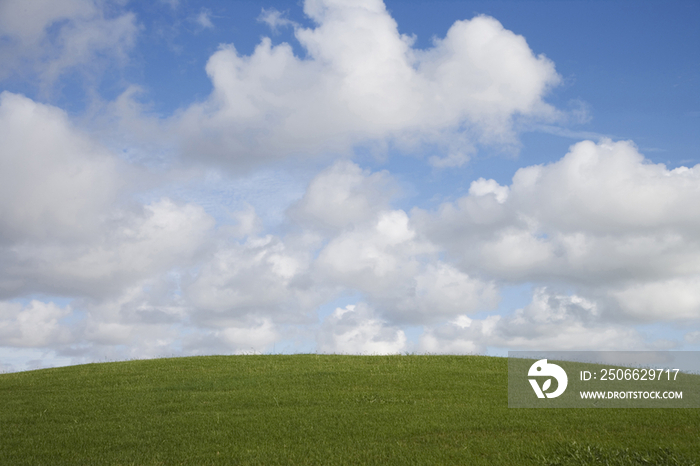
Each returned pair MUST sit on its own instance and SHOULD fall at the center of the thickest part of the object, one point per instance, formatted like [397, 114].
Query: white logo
[540, 369]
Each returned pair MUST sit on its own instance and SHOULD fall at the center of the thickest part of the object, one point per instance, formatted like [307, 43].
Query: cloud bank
[105, 257]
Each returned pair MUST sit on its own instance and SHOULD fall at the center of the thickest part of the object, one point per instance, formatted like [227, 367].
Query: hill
[317, 410]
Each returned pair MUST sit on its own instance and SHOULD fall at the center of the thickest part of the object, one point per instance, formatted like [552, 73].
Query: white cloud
[263, 276]
[442, 291]
[253, 337]
[373, 254]
[357, 330]
[349, 240]
[67, 224]
[483, 187]
[54, 181]
[52, 37]
[247, 222]
[610, 208]
[147, 273]
[70, 227]
[28, 21]
[376, 250]
[400, 274]
[362, 81]
[34, 325]
[275, 19]
[162, 281]
[602, 219]
[677, 298]
[126, 249]
[550, 321]
[342, 196]
[609, 187]
[203, 19]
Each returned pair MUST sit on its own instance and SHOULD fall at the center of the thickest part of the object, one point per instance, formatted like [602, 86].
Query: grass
[317, 410]
[576, 454]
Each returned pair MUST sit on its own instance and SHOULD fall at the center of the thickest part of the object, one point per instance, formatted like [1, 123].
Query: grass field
[317, 410]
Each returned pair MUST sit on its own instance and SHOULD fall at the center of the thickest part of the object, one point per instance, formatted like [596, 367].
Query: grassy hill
[317, 410]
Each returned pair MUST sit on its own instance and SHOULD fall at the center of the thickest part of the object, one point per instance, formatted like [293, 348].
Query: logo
[541, 369]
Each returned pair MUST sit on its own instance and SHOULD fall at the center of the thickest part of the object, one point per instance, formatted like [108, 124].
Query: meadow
[317, 410]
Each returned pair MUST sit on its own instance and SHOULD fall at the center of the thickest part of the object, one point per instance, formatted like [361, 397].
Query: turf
[317, 410]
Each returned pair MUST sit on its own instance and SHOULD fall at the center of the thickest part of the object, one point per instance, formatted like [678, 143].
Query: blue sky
[183, 177]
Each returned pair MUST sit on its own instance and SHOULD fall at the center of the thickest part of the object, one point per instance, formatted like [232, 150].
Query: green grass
[317, 410]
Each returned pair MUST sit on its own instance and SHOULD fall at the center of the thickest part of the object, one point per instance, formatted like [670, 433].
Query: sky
[183, 177]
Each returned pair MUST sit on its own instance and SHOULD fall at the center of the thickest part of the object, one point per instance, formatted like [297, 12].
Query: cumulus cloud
[374, 249]
[362, 81]
[50, 38]
[342, 196]
[146, 273]
[678, 298]
[400, 274]
[137, 271]
[143, 320]
[158, 278]
[608, 187]
[250, 337]
[261, 277]
[65, 227]
[550, 321]
[36, 324]
[602, 218]
[129, 247]
[482, 187]
[54, 181]
[356, 329]
[344, 237]
[71, 227]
